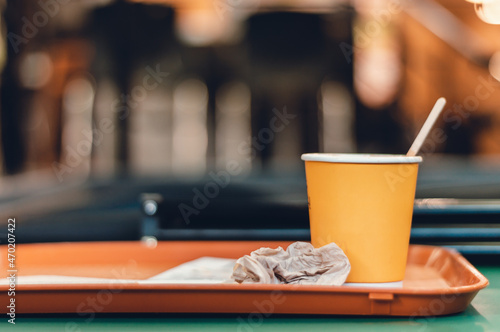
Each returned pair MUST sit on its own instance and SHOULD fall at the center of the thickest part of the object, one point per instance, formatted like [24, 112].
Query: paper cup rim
[361, 158]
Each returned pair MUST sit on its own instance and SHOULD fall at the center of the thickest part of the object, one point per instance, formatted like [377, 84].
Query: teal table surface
[482, 315]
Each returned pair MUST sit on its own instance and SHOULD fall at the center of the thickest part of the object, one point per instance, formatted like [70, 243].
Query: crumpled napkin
[301, 263]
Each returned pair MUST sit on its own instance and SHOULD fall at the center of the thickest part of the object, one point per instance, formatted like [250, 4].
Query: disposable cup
[363, 203]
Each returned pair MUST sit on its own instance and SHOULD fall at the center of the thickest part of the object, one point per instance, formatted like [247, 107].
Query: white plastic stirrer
[426, 128]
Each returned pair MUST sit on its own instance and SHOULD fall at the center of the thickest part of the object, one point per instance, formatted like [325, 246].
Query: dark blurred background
[104, 101]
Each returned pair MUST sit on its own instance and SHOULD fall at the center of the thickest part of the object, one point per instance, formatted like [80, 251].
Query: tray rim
[135, 286]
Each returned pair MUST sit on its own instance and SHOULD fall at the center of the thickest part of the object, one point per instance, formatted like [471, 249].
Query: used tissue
[301, 263]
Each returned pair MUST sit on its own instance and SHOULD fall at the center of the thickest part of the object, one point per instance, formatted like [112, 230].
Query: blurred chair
[290, 55]
[130, 38]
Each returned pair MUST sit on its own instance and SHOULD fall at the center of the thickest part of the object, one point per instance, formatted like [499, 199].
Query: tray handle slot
[381, 303]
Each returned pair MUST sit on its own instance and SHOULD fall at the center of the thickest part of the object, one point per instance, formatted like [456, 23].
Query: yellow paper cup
[363, 203]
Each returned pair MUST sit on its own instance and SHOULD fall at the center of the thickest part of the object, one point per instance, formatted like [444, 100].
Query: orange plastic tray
[437, 282]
